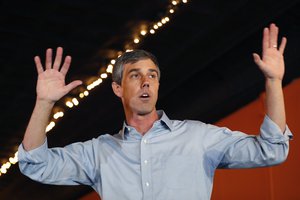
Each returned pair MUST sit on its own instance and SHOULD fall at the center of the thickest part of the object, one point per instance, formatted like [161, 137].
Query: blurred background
[205, 53]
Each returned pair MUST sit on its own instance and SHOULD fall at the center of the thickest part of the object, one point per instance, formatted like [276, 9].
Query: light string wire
[71, 102]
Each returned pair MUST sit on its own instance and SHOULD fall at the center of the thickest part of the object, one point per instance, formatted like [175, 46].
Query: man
[152, 157]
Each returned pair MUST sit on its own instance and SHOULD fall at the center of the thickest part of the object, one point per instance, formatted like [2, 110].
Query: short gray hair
[131, 57]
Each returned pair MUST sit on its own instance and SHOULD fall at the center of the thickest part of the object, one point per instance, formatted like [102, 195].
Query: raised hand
[272, 61]
[51, 79]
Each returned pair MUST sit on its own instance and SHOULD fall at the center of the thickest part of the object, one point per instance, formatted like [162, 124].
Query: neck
[142, 123]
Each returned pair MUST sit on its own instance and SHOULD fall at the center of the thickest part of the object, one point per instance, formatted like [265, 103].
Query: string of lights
[72, 102]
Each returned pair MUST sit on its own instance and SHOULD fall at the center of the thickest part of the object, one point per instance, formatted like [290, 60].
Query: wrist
[274, 81]
[42, 103]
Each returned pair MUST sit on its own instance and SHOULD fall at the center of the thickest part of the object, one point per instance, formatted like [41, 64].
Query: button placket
[145, 168]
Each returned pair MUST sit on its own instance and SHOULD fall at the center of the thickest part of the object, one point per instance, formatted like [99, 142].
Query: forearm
[275, 102]
[35, 133]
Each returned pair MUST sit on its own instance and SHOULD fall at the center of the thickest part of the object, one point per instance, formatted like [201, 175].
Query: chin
[144, 112]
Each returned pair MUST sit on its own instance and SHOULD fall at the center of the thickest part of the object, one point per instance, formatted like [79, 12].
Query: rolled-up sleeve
[35, 156]
[271, 132]
[70, 165]
[269, 148]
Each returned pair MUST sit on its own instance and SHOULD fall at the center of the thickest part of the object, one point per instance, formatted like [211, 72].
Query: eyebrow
[137, 70]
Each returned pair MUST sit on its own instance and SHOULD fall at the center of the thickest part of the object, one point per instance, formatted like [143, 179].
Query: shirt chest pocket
[179, 172]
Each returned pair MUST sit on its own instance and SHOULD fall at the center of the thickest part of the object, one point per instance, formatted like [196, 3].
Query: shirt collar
[163, 118]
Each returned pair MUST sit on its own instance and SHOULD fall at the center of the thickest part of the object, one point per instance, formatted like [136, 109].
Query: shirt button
[147, 184]
[145, 141]
[146, 162]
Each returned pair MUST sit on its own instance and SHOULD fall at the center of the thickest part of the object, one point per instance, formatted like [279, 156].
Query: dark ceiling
[204, 54]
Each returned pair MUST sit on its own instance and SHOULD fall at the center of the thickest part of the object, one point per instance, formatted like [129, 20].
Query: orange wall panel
[271, 183]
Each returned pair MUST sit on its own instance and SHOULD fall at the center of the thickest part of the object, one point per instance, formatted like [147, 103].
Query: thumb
[257, 59]
[72, 85]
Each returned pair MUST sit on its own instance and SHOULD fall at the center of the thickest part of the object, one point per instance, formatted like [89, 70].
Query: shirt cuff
[35, 155]
[270, 131]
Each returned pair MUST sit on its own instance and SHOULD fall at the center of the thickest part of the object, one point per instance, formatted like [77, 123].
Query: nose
[145, 82]
[145, 85]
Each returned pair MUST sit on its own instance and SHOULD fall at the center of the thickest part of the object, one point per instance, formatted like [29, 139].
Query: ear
[117, 89]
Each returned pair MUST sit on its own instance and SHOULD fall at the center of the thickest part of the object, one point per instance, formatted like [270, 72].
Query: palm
[272, 62]
[51, 81]
[50, 85]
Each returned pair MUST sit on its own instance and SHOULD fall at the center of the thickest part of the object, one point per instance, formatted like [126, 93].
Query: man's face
[139, 88]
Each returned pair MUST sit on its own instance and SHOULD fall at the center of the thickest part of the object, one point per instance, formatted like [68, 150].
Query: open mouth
[145, 96]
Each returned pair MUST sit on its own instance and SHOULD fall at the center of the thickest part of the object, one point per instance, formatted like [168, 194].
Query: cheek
[129, 91]
[156, 88]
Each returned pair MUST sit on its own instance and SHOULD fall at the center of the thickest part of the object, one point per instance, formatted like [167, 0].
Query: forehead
[144, 64]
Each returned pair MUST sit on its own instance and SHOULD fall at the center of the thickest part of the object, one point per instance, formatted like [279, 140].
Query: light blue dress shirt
[173, 160]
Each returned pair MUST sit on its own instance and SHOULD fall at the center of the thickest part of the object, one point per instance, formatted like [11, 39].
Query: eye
[152, 76]
[134, 76]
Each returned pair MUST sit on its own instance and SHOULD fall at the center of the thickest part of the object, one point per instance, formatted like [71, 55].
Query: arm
[77, 163]
[50, 88]
[235, 149]
[272, 66]
[239, 150]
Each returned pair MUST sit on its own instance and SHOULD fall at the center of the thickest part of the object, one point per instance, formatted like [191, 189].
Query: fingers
[48, 59]
[282, 45]
[72, 85]
[58, 57]
[265, 43]
[273, 36]
[57, 61]
[64, 69]
[38, 64]
[270, 39]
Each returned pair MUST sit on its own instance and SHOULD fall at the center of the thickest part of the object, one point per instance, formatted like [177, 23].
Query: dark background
[205, 55]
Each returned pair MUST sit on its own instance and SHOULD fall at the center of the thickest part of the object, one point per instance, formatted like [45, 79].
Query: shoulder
[107, 140]
[200, 128]
[101, 139]
[189, 124]
[92, 143]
